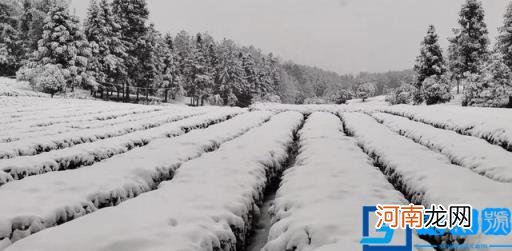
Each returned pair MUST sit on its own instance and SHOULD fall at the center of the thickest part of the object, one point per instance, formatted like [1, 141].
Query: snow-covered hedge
[474, 153]
[35, 145]
[491, 124]
[58, 197]
[305, 109]
[15, 132]
[319, 202]
[425, 176]
[90, 153]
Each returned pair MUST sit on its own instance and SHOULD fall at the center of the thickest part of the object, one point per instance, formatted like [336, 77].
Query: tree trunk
[137, 99]
[458, 86]
[166, 93]
[127, 98]
[509, 101]
[147, 96]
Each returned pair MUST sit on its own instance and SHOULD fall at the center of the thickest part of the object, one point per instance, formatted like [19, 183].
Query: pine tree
[230, 74]
[132, 16]
[63, 44]
[151, 64]
[183, 58]
[468, 49]
[11, 50]
[170, 79]
[430, 62]
[108, 51]
[504, 43]
[493, 88]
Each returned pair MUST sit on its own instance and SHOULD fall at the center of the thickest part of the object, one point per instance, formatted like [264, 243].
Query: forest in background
[117, 54]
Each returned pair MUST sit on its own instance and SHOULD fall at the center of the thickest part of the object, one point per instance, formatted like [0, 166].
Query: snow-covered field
[92, 175]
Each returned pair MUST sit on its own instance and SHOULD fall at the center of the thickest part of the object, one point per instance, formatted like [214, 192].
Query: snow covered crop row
[89, 153]
[208, 205]
[493, 125]
[96, 122]
[474, 153]
[318, 205]
[425, 176]
[38, 144]
[304, 109]
[15, 132]
[85, 116]
[38, 202]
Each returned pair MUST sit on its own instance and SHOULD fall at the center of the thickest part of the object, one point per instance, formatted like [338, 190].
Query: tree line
[118, 54]
[483, 75]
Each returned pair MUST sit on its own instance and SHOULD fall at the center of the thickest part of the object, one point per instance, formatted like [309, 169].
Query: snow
[424, 176]
[181, 178]
[56, 126]
[12, 87]
[319, 202]
[491, 124]
[57, 197]
[89, 153]
[207, 205]
[476, 154]
[44, 143]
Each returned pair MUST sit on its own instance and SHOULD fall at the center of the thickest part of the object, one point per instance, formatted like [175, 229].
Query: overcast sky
[345, 36]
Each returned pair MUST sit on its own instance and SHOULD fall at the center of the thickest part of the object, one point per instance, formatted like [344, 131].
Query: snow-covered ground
[92, 175]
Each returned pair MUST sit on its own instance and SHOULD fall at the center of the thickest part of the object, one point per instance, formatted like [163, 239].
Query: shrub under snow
[436, 89]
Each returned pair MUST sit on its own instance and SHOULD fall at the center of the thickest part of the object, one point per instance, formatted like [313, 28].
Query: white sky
[345, 36]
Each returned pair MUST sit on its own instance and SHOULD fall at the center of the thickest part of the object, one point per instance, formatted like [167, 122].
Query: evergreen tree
[468, 49]
[504, 43]
[230, 74]
[365, 90]
[63, 44]
[11, 50]
[430, 62]
[183, 58]
[132, 16]
[108, 51]
[493, 88]
[151, 64]
[171, 82]
[436, 89]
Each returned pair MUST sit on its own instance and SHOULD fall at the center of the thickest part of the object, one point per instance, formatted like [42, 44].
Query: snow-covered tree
[430, 62]
[287, 87]
[151, 65]
[468, 48]
[229, 72]
[11, 50]
[492, 88]
[504, 41]
[402, 95]
[108, 51]
[64, 45]
[341, 96]
[202, 72]
[365, 90]
[132, 16]
[170, 80]
[436, 89]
